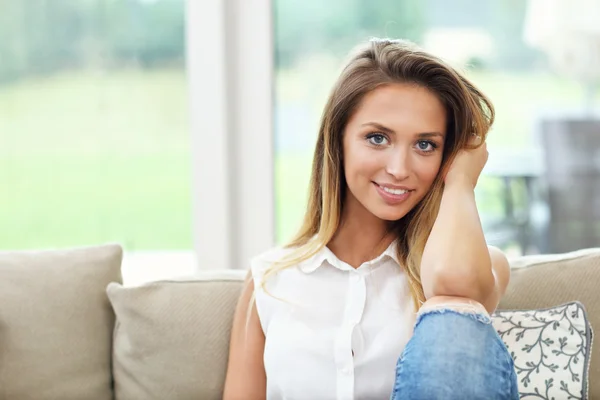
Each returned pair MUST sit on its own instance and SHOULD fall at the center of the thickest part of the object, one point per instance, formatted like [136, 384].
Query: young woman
[387, 288]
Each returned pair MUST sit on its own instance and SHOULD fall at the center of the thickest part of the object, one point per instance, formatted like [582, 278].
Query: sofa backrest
[171, 338]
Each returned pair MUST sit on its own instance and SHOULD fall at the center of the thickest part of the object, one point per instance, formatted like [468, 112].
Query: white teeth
[394, 191]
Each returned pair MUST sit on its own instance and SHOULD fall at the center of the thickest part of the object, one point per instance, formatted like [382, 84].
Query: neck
[361, 235]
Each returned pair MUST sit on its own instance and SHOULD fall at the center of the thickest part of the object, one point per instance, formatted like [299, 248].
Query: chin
[389, 215]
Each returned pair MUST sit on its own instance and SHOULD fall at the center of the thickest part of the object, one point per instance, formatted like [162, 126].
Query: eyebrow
[385, 129]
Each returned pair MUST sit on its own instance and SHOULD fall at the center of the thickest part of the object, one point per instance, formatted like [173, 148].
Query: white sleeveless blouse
[332, 331]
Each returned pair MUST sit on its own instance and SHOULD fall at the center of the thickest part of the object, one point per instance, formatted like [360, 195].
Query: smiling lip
[393, 198]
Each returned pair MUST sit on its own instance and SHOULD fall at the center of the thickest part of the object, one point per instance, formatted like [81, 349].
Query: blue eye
[377, 139]
[426, 146]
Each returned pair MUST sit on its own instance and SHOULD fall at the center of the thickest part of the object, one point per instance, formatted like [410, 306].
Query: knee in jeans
[454, 353]
[460, 304]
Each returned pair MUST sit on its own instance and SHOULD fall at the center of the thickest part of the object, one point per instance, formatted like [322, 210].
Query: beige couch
[67, 332]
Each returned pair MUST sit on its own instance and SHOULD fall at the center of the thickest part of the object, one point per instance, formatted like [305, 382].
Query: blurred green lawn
[88, 158]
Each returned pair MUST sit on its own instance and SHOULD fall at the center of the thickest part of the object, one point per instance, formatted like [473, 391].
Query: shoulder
[263, 261]
[270, 256]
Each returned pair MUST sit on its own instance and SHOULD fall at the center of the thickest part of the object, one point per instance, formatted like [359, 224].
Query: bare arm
[246, 379]
[457, 261]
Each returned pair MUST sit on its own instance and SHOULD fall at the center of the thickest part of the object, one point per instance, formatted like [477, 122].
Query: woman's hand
[468, 164]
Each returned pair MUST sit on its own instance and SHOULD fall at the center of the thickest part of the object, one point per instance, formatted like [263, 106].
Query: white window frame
[230, 82]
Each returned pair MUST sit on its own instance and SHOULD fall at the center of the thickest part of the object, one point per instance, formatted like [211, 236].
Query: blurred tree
[392, 18]
[312, 26]
[39, 36]
[335, 26]
[502, 19]
[11, 58]
[507, 26]
[43, 36]
[147, 32]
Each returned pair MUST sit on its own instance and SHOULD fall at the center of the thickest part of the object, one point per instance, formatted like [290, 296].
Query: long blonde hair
[376, 63]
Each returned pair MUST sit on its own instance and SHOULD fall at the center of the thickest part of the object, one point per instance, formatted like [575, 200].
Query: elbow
[472, 283]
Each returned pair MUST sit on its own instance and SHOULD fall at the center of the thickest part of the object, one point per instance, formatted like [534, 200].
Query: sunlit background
[94, 117]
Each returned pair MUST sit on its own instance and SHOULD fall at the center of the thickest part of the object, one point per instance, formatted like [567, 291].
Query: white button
[355, 277]
[346, 371]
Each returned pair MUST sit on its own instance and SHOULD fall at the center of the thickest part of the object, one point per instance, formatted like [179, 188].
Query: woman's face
[393, 146]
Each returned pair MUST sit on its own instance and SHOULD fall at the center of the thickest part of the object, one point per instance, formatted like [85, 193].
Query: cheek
[360, 163]
[429, 170]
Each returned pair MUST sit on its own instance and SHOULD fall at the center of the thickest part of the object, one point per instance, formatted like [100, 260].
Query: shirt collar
[324, 254]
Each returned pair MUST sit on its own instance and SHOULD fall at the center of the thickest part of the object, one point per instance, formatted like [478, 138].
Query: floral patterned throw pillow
[551, 349]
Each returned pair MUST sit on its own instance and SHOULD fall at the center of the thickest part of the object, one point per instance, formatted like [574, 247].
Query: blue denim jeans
[455, 354]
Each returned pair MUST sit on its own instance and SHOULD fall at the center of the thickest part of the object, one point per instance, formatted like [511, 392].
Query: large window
[142, 122]
[94, 141]
[98, 144]
[499, 45]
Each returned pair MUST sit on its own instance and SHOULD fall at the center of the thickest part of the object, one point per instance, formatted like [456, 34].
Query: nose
[398, 165]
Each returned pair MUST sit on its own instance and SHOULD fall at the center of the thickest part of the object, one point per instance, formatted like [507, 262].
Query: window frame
[229, 49]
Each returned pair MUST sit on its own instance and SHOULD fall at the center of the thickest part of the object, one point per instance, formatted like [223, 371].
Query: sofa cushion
[171, 339]
[549, 280]
[56, 323]
[550, 348]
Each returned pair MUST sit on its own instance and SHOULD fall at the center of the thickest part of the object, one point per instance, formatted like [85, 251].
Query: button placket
[357, 299]
[355, 304]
